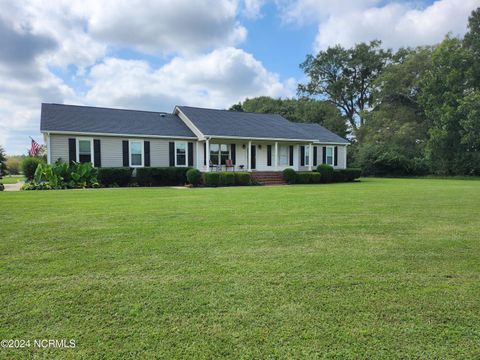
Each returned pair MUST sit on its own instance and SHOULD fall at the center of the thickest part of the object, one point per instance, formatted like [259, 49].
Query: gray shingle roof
[74, 118]
[322, 134]
[255, 125]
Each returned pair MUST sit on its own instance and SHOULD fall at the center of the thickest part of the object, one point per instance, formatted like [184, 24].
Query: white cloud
[253, 8]
[217, 79]
[168, 25]
[396, 23]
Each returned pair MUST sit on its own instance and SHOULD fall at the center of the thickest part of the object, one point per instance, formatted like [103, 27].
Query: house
[190, 136]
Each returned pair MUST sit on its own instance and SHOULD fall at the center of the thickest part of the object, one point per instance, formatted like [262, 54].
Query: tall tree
[3, 158]
[345, 77]
[298, 110]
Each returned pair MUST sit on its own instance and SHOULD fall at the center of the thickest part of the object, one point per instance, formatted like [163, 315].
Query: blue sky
[153, 54]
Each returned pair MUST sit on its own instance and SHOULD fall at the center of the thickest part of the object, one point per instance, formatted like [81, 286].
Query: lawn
[384, 268]
[11, 179]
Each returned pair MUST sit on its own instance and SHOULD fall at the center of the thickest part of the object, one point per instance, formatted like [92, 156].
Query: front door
[253, 157]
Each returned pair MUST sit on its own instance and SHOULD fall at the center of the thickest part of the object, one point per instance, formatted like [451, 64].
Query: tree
[345, 77]
[13, 164]
[298, 110]
[392, 141]
[3, 158]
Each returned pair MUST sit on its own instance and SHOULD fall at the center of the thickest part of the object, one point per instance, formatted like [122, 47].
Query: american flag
[34, 149]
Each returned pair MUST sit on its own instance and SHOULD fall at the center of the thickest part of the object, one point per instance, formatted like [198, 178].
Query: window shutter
[233, 150]
[302, 155]
[171, 146]
[269, 155]
[204, 153]
[190, 154]
[97, 157]
[291, 155]
[314, 156]
[146, 153]
[324, 154]
[335, 156]
[125, 153]
[72, 150]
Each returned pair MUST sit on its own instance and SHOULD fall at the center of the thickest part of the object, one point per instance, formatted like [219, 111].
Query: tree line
[407, 112]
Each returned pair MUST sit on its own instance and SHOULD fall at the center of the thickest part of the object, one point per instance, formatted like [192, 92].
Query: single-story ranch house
[206, 139]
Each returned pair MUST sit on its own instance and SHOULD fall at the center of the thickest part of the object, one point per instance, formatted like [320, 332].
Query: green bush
[227, 178]
[290, 176]
[29, 166]
[211, 179]
[243, 178]
[308, 178]
[161, 176]
[194, 177]
[326, 171]
[109, 177]
[346, 175]
[63, 176]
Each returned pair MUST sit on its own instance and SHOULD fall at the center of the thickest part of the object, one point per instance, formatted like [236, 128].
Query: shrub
[290, 176]
[227, 178]
[13, 165]
[194, 177]
[346, 175]
[212, 179]
[161, 176]
[243, 178]
[308, 178]
[2, 187]
[114, 176]
[29, 166]
[63, 176]
[326, 171]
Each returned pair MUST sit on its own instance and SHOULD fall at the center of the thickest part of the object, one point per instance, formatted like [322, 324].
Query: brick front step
[268, 177]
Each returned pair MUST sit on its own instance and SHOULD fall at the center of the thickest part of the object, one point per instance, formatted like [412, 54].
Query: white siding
[112, 151]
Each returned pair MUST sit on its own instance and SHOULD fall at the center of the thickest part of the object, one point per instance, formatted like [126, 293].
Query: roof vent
[162, 115]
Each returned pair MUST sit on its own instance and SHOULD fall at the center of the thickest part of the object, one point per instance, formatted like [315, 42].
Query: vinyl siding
[111, 150]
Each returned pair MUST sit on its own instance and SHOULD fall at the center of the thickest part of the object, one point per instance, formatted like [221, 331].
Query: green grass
[385, 268]
[12, 179]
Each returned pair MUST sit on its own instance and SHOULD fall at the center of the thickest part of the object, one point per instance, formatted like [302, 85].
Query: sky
[155, 54]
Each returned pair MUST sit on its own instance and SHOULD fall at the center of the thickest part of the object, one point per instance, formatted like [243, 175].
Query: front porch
[255, 156]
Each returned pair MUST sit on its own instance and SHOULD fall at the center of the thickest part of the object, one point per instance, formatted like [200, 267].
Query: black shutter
[171, 147]
[125, 153]
[269, 155]
[190, 154]
[291, 155]
[314, 156]
[146, 151]
[233, 150]
[97, 157]
[335, 156]
[72, 150]
[204, 153]
[324, 154]
[302, 155]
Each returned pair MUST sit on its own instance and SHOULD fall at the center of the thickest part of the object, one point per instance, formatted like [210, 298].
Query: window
[329, 155]
[84, 150]
[282, 155]
[181, 153]
[136, 153]
[224, 154]
[307, 155]
[219, 153]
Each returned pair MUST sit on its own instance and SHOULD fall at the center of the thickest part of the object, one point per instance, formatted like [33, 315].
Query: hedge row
[323, 174]
[149, 176]
[227, 178]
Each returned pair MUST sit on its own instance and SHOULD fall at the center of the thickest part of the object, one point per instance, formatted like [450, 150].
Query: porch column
[345, 157]
[207, 155]
[310, 157]
[249, 156]
[276, 156]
